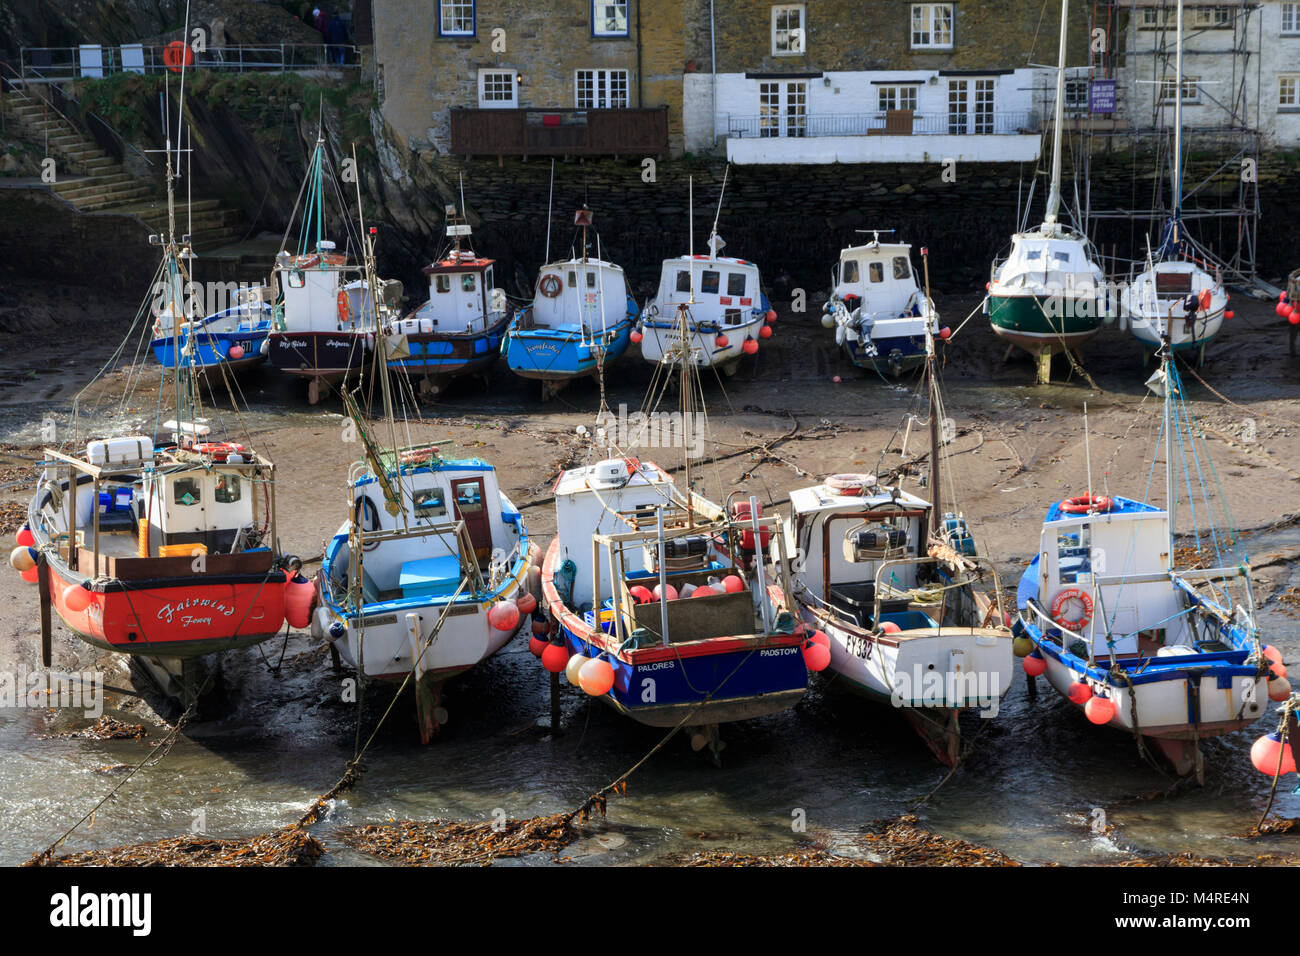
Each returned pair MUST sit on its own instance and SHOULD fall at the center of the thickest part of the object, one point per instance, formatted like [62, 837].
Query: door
[467, 493]
[957, 106]
[783, 108]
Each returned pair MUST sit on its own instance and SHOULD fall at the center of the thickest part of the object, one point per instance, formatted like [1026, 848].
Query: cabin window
[850, 270]
[442, 283]
[185, 491]
[901, 271]
[1061, 256]
[735, 283]
[1074, 554]
[877, 271]
[573, 279]
[467, 282]
[469, 499]
[430, 503]
[229, 489]
[1033, 253]
[683, 281]
[731, 316]
[591, 280]
[1173, 283]
[709, 282]
[296, 279]
[487, 278]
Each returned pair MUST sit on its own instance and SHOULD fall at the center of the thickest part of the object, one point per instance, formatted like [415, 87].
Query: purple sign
[1101, 96]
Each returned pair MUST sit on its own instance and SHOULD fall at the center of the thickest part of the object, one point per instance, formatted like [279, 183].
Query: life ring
[1084, 504]
[345, 307]
[177, 54]
[1058, 606]
[549, 285]
[219, 450]
[415, 456]
[850, 484]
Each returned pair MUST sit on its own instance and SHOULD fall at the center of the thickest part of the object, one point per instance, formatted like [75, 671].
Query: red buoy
[76, 597]
[1079, 693]
[722, 341]
[816, 657]
[555, 657]
[732, 584]
[672, 593]
[541, 625]
[703, 592]
[636, 335]
[640, 595]
[889, 627]
[750, 347]
[820, 637]
[30, 575]
[771, 316]
[1266, 751]
[504, 616]
[526, 603]
[299, 596]
[945, 333]
[25, 538]
[536, 645]
[236, 352]
[1034, 664]
[765, 332]
[1099, 709]
[1227, 314]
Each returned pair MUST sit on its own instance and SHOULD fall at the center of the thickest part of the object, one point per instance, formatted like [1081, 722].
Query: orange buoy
[770, 317]
[25, 538]
[76, 597]
[1266, 752]
[236, 352]
[889, 627]
[765, 332]
[526, 603]
[820, 637]
[1079, 693]
[640, 594]
[672, 593]
[1034, 664]
[732, 584]
[299, 596]
[750, 347]
[636, 335]
[31, 574]
[596, 677]
[722, 341]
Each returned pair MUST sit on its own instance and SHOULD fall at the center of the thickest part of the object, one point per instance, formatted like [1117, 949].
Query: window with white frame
[789, 30]
[896, 98]
[496, 89]
[1076, 96]
[609, 18]
[932, 26]
[1288, 91]
[958, 93]
[456, 18]
[1191, 90]
[983, 107]
[1290, 18]
[600, 89]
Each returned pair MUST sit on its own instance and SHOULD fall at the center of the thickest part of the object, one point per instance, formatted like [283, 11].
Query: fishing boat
[729, 313]
[1175, 292]
[914, 616]
[420, 582]
[1155, 641]
[230, 339]
[1048, 295]
[165, 552]
[880, 315]
[458, 331]
[580, 319]
[664, 604]
[324, 323]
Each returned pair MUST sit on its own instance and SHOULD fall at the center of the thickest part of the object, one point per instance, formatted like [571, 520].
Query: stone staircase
[93, 181]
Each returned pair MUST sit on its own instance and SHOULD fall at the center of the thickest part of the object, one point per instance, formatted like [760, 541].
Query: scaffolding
[1222, 80]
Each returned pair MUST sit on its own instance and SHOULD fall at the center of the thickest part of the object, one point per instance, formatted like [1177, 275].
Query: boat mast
[685, 358]
[932, 387]
[1178, 124]
[1054, 197]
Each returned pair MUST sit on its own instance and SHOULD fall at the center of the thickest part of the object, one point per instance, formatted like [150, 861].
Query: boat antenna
[726, 169]
[1178, 126]
[690, 221]
[550, 201]
[1054, 197]
[1087, 452]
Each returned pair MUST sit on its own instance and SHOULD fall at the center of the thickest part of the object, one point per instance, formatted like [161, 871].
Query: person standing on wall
[336, 35]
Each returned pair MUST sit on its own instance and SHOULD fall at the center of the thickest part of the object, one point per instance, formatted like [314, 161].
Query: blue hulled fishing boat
[232, 338]
[580, 319]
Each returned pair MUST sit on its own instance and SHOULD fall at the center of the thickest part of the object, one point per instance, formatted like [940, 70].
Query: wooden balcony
[560, 132]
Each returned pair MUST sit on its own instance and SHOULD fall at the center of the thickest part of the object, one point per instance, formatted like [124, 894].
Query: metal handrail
[66, 61]
[777, 124]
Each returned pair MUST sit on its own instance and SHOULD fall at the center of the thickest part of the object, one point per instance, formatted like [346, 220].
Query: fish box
[115, 451]
[430, 577]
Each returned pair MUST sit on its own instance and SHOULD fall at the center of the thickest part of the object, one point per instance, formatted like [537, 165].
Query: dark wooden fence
[532, 132]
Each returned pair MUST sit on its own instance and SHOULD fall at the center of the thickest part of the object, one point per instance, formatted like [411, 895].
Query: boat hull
[331, 356]
[1026, 321]
[557, 355]
[212, 351]
[692, 683]
[1184, 336]
[444, 356]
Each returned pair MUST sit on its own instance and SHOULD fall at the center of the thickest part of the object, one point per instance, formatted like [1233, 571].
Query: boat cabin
[422, 554]
[462, 297]
[1120, 559]
[847, 535]
[589, 294]
[722, 290]
[1060, 261]
[881, 276]
[321, 293]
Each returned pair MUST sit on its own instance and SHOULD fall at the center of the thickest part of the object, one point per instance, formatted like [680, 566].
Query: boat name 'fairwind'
[168, 611]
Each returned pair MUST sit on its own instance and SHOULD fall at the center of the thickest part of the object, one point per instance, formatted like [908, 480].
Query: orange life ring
[1084, 504]
[1058, 605]
[549, 285]
[219, 450]
[345, 307]
[176, 54]
[850, 484]
[415, 456]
